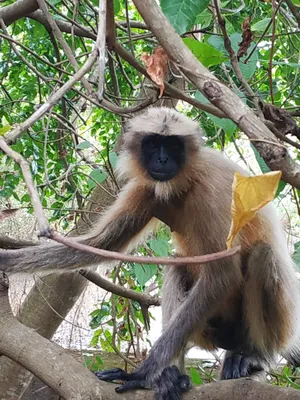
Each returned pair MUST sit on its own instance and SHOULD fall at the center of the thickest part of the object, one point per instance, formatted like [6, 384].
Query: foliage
[71, 149]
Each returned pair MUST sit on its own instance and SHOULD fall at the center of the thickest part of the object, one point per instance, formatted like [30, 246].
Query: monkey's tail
[45, 258]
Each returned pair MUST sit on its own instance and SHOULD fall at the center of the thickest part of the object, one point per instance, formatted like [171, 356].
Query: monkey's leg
[175, 287]
[237, 365]
[267, 315]
[167, 382]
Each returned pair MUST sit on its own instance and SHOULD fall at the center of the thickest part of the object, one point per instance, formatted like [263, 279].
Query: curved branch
[17, 10]
[105, 284]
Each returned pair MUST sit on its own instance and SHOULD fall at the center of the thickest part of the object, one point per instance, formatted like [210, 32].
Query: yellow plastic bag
[250, 193]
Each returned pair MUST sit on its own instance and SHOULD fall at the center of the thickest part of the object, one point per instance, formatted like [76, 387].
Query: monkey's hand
[170, 384]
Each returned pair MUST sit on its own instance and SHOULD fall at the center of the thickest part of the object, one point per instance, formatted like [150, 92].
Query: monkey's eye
[152, 146]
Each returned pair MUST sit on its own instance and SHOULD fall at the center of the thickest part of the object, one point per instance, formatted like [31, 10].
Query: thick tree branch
[17, 10]
[26, 347]
[70, 380]
[276, 157]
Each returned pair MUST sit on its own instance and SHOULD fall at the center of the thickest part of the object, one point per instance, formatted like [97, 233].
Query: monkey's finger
[115, 374]
[131, 385]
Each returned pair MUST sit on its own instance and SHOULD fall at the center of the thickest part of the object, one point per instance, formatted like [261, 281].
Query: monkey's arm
[117, 228]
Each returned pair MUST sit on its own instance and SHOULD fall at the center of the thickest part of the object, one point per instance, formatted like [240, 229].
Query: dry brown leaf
[247, 36]
[250, 194]
[157, 66]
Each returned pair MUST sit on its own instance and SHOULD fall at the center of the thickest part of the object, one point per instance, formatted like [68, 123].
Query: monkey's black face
[163, 156]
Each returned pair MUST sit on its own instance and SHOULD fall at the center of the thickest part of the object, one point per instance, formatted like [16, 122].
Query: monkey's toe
[171, 384]
[110, 375]
[240, 366]
[132, 381]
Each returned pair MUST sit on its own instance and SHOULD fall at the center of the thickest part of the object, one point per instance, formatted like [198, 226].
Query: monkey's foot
[168, 386]
[171, 384]
[132, 381]
[238, 365]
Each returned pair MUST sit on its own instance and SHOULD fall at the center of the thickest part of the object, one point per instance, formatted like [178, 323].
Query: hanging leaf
[250, 194]
[247, 37]
[157, 65]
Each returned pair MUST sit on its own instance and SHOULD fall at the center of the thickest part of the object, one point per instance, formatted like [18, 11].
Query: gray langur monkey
[246, 304]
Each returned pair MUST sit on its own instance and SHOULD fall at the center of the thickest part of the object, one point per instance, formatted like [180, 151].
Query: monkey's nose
[163, 160]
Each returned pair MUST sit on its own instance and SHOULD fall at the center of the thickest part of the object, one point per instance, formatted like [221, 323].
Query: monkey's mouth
[162, 176]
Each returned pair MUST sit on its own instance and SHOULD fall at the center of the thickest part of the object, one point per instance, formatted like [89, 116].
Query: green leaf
[4, 129]
[144, 272]
[260, 26]
[117, 6]
[113, 157]
[206, 54]
[159, 246]
[195, 377]
[296, 254]
[182, 13]
[226, 124]
[204, 19]
[97, 176]
[25, 198]
[83, 145]
[236, 38]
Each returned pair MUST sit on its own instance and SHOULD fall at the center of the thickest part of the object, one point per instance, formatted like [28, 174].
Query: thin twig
[101, 47]
[119, 290]
[36, 203]
[234, 60]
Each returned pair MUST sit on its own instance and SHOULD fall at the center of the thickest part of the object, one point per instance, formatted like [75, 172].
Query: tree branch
[36, 354]
[17, 10]
[294, 10]
[111, 287]
[32, 190]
